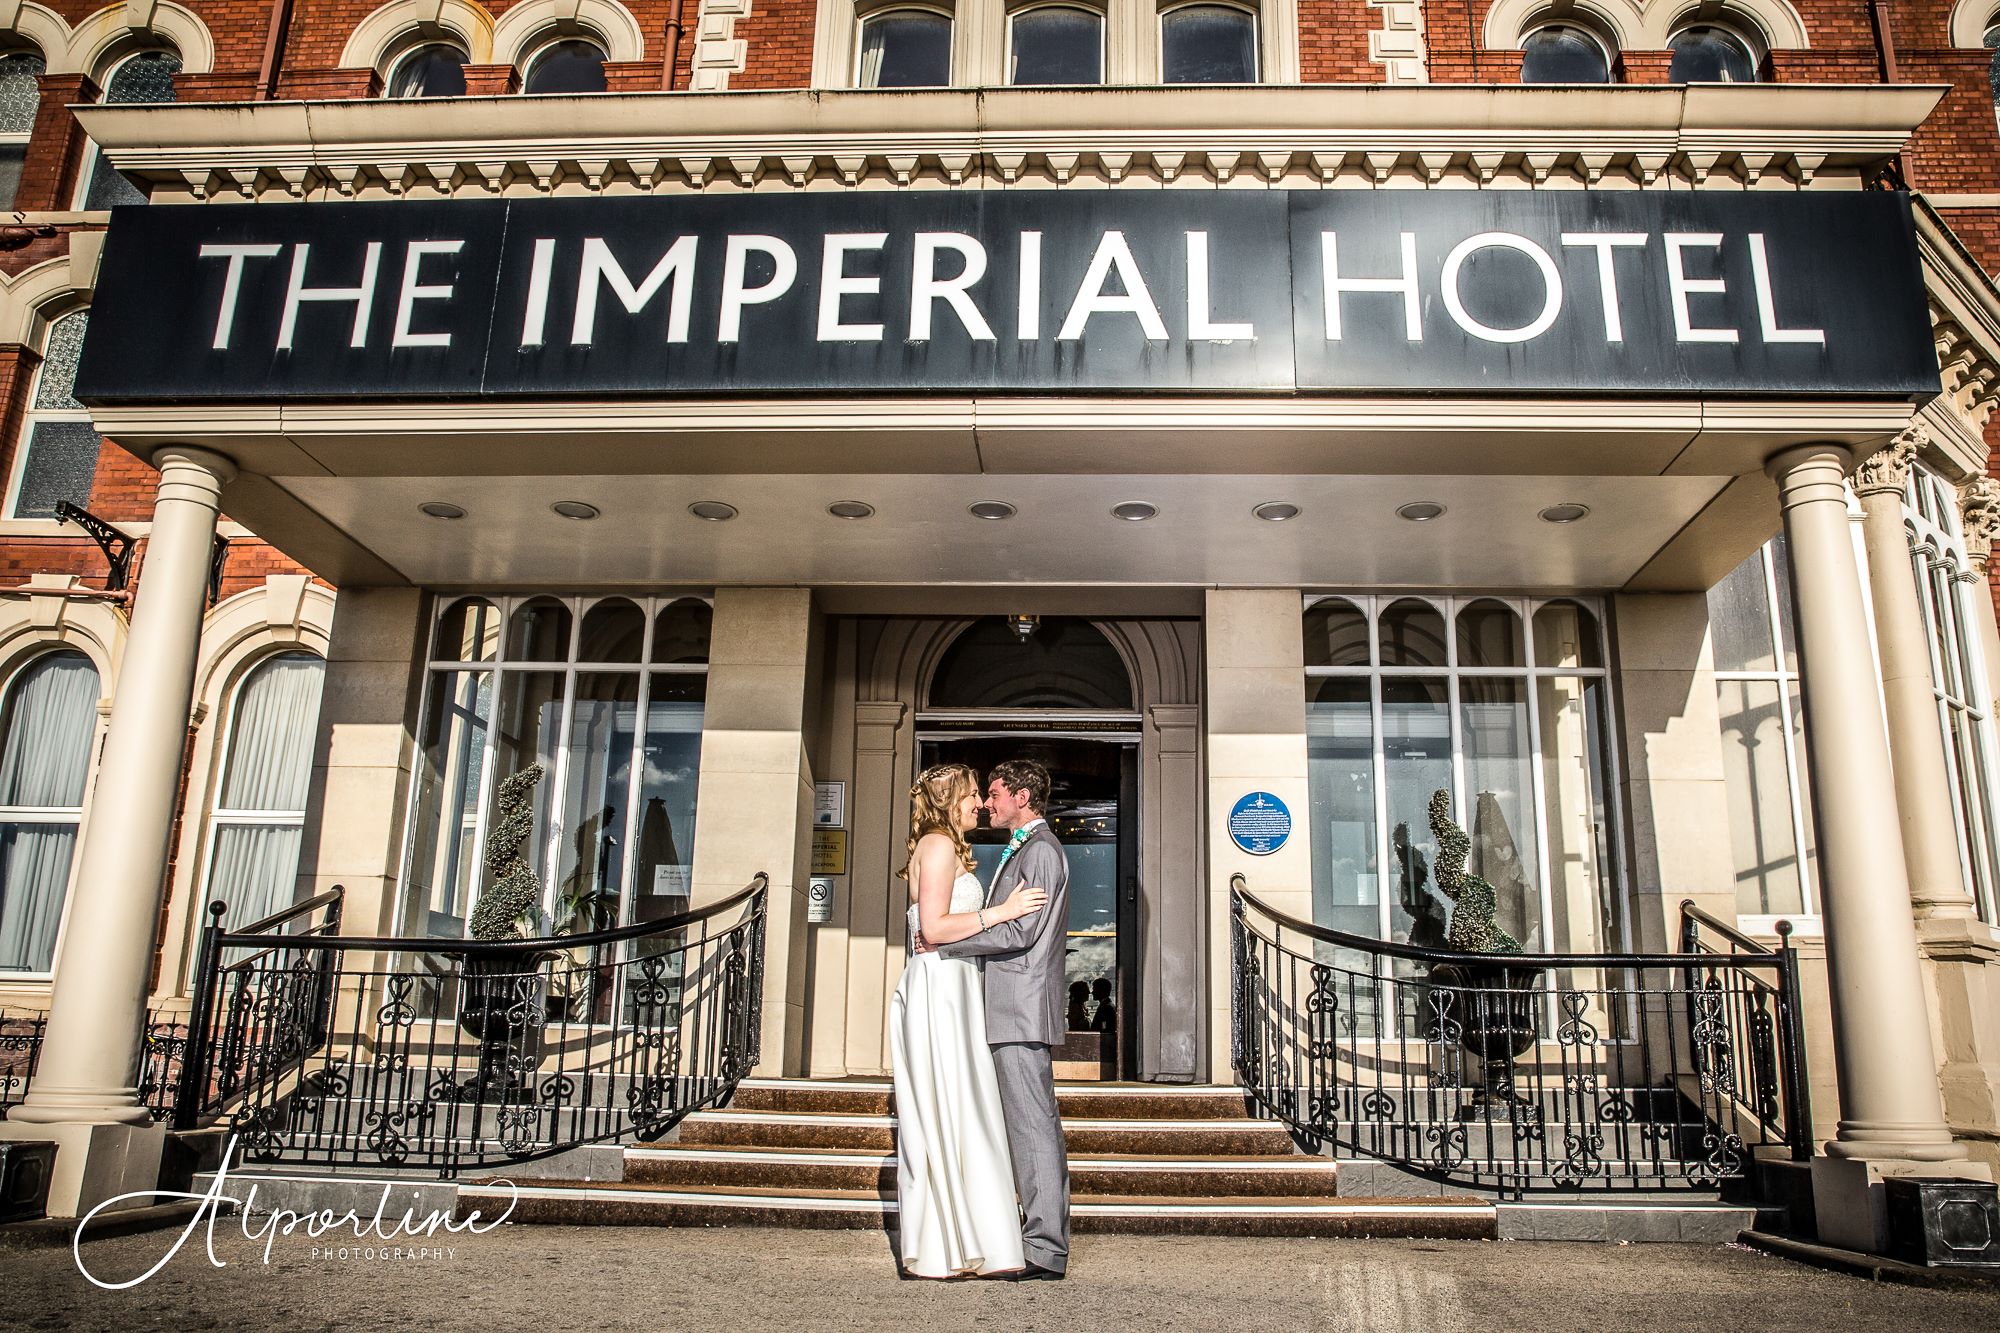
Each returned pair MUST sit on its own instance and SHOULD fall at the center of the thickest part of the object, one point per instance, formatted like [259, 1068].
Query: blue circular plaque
[1260, 823]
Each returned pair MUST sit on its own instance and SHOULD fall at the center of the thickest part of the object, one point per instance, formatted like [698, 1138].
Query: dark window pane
[1489, 635]
[1065, 663]
[1412, 634]
[906, 49]
[539, 632]
[59, 358]
[1336, 634]
[1563, 55]
[62, 459]
[614, 630]
[567, 67]
[146, 77]
[1208, 44]
[11, 156]
[1710, 55]
[468, 632]
[430, 71]
[681, 637]
[1056, 45]
[20, 95]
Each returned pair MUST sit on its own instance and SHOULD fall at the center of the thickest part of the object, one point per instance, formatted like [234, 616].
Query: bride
[954, 1180]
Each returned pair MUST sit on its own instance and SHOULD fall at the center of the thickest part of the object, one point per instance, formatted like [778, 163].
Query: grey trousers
[1035, 1141]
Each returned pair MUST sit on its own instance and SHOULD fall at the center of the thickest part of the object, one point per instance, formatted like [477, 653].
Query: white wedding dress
[954, 1179]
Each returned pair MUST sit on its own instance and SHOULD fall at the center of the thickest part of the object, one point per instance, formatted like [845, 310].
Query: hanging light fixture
[1024, 627]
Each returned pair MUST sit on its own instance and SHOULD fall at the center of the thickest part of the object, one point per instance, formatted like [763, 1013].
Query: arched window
[1208, 44]
[57, 459]
[260, 807]
[1055, 44]
[905, 48]
[1709, 53]
[20, 98]
[571, 65]
[143, 76]
[1564, 53]
[46, 724]
[1991, 41]
[1064, 663]
[434, 69]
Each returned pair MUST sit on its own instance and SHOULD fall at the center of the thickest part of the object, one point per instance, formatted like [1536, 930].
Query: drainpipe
[674, 30]
[274, 43]
[1885, 41]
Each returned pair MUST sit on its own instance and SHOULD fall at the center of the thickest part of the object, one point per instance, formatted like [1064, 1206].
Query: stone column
[1916, 743]
[1254, 653]
[88, 1075]
[755, 803]
[1979, 510]
[1891, 1113]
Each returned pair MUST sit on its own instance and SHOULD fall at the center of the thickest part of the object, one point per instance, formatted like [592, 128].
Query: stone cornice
[1345, 135]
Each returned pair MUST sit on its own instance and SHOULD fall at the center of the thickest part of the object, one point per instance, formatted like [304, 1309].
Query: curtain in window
[50, 716]
[260, 812]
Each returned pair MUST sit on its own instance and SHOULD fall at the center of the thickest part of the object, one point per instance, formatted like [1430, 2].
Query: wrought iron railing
[1517, 1072]
[22, 1033]
[443, 1055]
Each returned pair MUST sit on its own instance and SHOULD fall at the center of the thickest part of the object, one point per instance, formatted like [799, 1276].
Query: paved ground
[559, 1278]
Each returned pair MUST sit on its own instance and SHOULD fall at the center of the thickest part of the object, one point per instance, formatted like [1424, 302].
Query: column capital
[1979, 511]
[178, 457]
[1887, 470]
[1792, 457]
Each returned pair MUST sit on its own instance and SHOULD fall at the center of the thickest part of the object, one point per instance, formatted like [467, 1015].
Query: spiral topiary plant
[510, 907]
[1473, 927]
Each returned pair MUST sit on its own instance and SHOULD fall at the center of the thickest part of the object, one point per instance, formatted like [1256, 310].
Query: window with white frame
[1945, 583]
[429, 69]
[1712, 53]
[258, 819]
[141, 77]
[904, 48]
[47, 720]
[1763, 738]
[568, 64]
[1565, 53]
[606, 695]
[1504, 703]
[1208, 43]
[57, 457]
[20, 99]
[1055, 44]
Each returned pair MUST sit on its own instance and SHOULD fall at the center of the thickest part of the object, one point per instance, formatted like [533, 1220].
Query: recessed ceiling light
[575, 509]
[1134, 511]
[1276, 511]
[713, 510]
[441, 509]
[991, 509]
[850, 509]
[1564, 513]
[1420, 511]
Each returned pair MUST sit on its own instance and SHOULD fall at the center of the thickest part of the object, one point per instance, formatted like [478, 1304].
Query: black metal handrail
[1779, 997]
[1516, 1071]
[405, 1052]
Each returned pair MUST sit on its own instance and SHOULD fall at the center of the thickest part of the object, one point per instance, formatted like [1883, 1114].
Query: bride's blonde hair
[932, 796]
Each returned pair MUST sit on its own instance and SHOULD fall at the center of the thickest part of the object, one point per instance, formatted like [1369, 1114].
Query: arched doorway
[1058, 691]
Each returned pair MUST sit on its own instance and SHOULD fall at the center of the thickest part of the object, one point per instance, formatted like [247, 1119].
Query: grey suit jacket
[1023, 959]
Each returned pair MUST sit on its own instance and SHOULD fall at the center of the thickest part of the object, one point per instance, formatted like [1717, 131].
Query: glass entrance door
[1092, 810]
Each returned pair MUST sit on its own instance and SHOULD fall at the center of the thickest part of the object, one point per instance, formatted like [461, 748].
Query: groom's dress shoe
[1037, 1273]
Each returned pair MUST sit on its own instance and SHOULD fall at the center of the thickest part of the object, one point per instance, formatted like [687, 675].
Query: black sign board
[1032, 292]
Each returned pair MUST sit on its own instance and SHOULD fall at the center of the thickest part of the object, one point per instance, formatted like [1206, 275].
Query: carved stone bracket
[1970, 378]
[1979, 507]
[1887, 470]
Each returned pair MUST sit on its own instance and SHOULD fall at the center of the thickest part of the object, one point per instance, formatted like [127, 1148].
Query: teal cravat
[1013, 845]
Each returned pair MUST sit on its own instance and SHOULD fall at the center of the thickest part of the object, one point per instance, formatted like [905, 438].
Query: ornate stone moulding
[1387, 136]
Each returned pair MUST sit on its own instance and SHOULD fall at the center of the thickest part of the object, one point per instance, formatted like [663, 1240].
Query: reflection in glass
[905, 48]
[526, 732]
[1566, 636]
[1412, 634]
[444, 857]
[1499, 778]
[1336, 634]
[1574, 750]
[1340, 763]
[1416, 761]
[1489, 635]
[539, 632]
[1056, 44]
[436, 70]
[567, 67]
[681, 636]
[614, 630]
[1708, 54]
[469, 631]
[1562, 54]
[1739, 619]
[1208, 44]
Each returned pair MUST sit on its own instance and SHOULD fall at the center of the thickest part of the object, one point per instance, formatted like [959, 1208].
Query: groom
[1023, 965]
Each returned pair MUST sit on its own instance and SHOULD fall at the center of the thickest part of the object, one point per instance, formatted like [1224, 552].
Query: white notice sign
[829, 805]
[673, 881]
